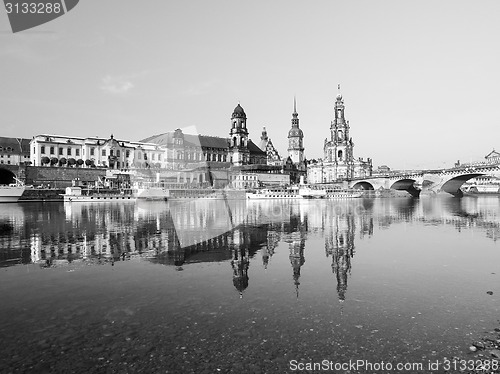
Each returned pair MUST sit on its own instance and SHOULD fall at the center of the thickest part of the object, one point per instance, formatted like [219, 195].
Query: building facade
[70, 151]
[14, 151]
[191, 151]
[338, 162]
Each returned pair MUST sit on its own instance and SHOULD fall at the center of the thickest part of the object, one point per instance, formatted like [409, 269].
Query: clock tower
[295, 138]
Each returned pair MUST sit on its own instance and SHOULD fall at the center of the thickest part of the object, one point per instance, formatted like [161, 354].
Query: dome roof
[294, 132]
[238, 112]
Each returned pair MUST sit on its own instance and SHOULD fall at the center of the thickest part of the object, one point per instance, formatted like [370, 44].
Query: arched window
[339, 154]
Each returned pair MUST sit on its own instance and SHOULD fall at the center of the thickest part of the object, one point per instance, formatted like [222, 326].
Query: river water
[209, 286]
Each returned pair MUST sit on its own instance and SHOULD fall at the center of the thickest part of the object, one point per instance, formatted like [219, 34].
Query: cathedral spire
[295, 137]
[295, 115]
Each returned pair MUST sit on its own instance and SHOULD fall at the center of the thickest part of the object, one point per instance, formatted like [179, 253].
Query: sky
[420, 80]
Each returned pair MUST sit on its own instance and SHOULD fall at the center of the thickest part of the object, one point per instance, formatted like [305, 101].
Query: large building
[338, 162]
[14, 151]
[61, 150]
[247, 164]
[188, 151]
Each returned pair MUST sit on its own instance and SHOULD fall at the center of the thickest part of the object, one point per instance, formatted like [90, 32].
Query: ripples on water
[236, 285]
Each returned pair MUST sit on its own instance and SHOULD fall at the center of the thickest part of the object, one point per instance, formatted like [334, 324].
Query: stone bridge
[427, 181]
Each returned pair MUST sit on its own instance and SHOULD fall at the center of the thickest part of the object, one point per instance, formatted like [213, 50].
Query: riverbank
[484, 356]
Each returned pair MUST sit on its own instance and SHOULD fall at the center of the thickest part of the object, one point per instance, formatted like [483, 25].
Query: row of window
[6, 149]
[69, 151]
[8, 156]
[144, 156]
[61, 151]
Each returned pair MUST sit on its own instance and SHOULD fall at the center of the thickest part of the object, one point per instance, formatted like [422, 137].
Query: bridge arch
[6, 176]
[363, 185]
[403, 184]
[452, 186]
[406, 184]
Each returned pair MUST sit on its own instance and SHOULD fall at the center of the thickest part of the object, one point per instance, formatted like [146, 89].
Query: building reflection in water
[339, 244]
[233, 231]
[296, 239]
[240, 261]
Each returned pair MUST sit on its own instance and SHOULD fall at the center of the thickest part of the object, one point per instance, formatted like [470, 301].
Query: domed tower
[295, 138]
[240, 263]
[238, 144]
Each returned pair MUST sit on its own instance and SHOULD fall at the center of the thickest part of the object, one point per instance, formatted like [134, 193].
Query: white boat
[274, 193]
[75, 195]
[151, 193]
[482, 189]
[308, 192]
[12, 192]
[304, 192]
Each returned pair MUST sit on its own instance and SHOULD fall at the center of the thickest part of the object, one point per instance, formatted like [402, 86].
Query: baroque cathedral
[338, 162]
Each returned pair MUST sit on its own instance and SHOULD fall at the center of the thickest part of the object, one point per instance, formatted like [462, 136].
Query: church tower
[263, 139]
[295, 138]
[238, 147]
[340, 147]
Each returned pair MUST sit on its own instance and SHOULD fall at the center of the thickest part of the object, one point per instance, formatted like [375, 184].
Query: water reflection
[233, 231]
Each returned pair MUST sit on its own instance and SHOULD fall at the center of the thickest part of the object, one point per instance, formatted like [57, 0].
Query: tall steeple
[295, 138]
[263, 139]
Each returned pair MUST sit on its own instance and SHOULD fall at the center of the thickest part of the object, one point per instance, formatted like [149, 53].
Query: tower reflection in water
[232, 231]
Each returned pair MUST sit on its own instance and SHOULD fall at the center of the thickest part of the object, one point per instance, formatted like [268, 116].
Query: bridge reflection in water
[235, 231]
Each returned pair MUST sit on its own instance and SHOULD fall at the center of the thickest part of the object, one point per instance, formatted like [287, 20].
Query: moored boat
[304, 192]
[151, 193]
[12, 192]
[75, 195]
[274, 193]
[482, 189]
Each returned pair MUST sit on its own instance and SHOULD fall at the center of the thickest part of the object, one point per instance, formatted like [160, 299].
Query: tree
[79, 162]
[62, 161]
[71, 161]
[88, 162]
[45, 160]
[53, 161]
